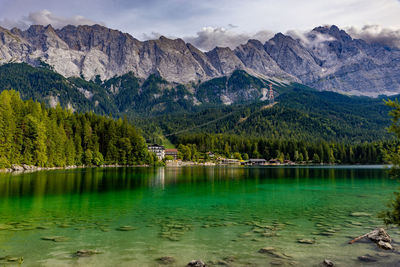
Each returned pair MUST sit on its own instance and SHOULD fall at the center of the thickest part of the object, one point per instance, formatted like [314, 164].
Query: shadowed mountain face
[326, 58]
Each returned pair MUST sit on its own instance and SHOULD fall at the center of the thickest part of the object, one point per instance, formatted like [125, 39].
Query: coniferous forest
[32, 134]
[288, 149]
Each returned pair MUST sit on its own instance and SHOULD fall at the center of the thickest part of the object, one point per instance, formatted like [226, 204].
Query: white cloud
[376, 34]
[210, 37]
[45, 17]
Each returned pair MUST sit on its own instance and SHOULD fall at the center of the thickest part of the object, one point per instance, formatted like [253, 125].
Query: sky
[207, 23]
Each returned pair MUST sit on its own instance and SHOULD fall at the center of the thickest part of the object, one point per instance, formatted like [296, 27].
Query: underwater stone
[367, 258]
[196, 263]
[55, 238]
[166, 260]
[327, 263]
[126, 228]
[306, 241]
[86, 253]
[360, 214]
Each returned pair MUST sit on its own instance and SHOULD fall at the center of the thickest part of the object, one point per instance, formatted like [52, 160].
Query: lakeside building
[172, 152]
[158, 150]
[274, 162]
[211, 155]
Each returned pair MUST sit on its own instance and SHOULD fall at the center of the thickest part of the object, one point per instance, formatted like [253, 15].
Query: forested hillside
[300, 113]
[33, 134]
[229, 105]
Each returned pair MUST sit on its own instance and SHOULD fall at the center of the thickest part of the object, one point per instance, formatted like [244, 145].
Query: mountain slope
[300, 113]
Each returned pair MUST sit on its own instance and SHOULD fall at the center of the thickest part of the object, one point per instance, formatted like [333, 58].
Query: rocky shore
[31, 168]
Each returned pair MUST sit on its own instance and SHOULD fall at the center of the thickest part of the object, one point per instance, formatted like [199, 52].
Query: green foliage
[184, 152]
[392, 215]
[46, 137]
[237, 155]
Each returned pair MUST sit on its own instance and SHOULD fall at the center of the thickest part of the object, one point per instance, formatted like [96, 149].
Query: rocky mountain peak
[335, 32]
[224, 60]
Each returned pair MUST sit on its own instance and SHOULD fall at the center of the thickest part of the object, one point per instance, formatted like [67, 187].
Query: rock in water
[86, 253]
[360, 214]
[367, 258]
[306, 241]
[126, 228]
[384, 245]
[196, 263]
[266, 250]
[272, 251]
[327, 263]
[166, 260]
[55, 238]
[379, 234]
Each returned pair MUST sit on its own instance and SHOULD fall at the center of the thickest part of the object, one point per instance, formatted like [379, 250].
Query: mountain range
[326, 58]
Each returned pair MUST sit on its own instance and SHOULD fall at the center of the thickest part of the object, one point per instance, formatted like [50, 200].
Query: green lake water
[222, 216]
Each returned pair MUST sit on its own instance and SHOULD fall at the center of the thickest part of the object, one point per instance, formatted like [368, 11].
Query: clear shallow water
[219, 215]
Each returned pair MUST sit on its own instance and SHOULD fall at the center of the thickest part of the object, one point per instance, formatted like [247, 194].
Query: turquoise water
[219, 215]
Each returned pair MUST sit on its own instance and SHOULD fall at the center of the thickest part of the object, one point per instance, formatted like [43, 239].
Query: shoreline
[30, 168]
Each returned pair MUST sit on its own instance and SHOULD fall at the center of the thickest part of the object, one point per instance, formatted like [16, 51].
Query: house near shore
[158, 150]
[211, 155]
[172, 152]
[274, 162]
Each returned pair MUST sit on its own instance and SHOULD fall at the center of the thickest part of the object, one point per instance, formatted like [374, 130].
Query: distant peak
[334, 31]
[281, 36]
[35, 28]
[254, 42]
[49, 28]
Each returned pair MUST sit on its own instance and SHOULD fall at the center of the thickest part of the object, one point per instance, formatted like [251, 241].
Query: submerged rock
[20, 260]
[166, 260]
[86, 253]
[273, 252]
[327, 263]
[367, 258]
[266, 249]
[276, 263]
[360, 214]
[306, 241]
[196, 263]
[40, 227]
[55, 238]
[126, 228]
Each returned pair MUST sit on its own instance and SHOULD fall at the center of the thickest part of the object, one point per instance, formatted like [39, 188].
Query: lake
[223, 216]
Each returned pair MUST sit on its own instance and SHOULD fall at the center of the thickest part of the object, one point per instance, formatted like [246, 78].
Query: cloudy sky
[207, 23]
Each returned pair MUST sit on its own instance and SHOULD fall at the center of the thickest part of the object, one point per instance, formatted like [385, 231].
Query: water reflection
[82, 181]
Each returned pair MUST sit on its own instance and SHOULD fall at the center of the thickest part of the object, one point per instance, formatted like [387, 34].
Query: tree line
[234, 146]
[32, 134]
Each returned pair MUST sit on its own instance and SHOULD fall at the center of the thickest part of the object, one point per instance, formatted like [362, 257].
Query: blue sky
[221, 20]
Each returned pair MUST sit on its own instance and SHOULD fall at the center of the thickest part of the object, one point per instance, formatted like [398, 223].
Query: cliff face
[326, 58]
